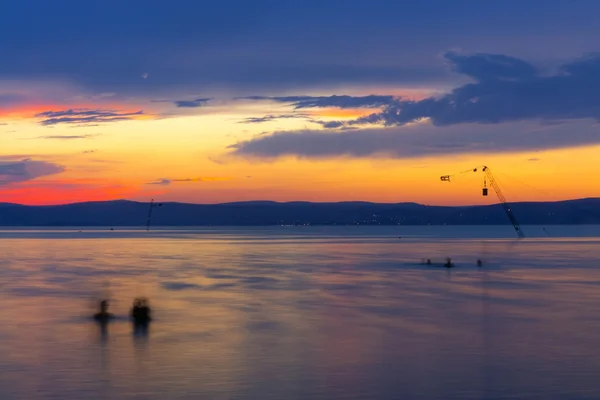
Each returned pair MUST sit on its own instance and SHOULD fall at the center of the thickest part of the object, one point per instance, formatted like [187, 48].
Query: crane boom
[496, 187]
[509, 213]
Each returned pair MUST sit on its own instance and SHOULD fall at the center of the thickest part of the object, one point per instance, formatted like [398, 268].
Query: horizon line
[297, 201]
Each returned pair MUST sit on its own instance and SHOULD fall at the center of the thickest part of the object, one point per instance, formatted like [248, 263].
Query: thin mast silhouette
[152, 205]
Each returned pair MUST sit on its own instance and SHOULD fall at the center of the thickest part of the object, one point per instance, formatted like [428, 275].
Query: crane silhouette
[489, 177]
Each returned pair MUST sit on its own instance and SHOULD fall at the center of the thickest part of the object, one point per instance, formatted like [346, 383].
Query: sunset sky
[233, 100]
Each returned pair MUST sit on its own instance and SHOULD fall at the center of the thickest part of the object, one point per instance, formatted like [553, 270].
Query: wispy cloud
[85, 116]
[299, 102]
[68, 137]
[98, 96]
[167, 181]
[332, 124]
[160, 182]
[204, 179]
[192, 103]
[273, 117]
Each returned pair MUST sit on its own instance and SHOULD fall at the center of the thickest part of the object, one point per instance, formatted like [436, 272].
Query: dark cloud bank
[504, 90]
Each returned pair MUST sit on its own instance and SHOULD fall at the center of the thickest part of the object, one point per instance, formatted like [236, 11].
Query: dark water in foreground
[302, 313]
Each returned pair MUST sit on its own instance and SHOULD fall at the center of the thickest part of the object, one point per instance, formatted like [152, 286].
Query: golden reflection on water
[305, 318]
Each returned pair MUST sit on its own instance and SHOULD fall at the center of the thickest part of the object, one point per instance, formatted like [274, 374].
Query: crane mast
[490, 177]
[152, 205]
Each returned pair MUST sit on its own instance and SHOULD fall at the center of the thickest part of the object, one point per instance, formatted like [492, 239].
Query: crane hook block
[485, 191]
[445, 178]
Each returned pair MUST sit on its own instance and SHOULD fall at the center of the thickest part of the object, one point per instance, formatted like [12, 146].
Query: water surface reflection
[319, 318]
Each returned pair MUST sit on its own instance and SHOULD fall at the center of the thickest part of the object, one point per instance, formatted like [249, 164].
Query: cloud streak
[67, 137]
[273, 117]
[84, 116]
[200, 102]
[335, 101]
[168, 181]
[160, 182]
[24, 170]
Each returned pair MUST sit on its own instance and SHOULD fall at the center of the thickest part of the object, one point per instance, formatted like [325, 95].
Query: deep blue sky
[264, 47]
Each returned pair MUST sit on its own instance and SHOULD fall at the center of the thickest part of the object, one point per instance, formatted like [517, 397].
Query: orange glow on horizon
[559, 175]
[349, 113]
[187, 159]
[29, 111]
[63, 192]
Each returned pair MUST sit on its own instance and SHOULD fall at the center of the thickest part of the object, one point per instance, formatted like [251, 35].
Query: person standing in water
[103, 315]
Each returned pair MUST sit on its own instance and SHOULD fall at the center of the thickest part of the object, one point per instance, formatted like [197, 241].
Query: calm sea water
[302, 313]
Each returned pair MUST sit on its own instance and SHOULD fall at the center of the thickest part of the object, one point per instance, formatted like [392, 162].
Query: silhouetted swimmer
[103, 315]
[479, 263]
[140, 312]
[448, 263]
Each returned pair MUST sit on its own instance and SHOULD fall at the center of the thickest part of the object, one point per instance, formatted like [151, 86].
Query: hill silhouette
[261, 213]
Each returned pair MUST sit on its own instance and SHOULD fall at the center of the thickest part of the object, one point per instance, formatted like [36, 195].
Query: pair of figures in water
[140, 312]
[449, 263]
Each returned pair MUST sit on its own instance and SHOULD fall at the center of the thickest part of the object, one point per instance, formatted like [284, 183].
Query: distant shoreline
[258, 227]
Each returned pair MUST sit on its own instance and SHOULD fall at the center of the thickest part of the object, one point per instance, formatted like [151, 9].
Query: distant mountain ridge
[264, 213]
